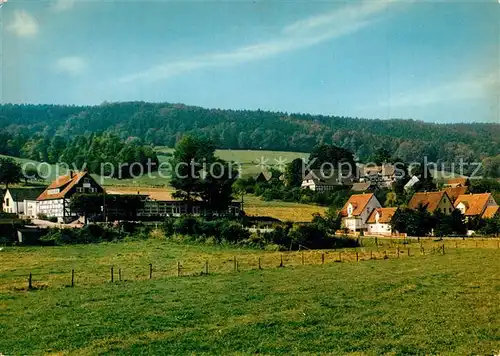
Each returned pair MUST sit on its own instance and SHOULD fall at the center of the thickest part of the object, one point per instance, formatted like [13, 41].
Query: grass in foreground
[430, 305]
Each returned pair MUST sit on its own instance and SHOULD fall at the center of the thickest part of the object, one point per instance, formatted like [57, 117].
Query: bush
[88, 234]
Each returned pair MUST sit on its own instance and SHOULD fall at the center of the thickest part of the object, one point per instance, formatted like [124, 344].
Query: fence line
[244, 262]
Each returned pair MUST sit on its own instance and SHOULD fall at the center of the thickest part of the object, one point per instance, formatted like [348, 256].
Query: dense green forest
[164, 124]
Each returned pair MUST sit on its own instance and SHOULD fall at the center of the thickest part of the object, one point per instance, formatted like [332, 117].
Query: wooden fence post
[260, 266]
[340, 256]
[456, 244]
[398, 251]
[206, 267]
[323, 258]
[178, 269]
[371, 255]
[408, 252]
[357, 256]
[422, 251]
[385, 254]
[302, 257]
[234, 264]
[281, 264]
[120, 274]
[443, 249]
[30, 280]
[376, 241]
[112, 274]
[150, 271]
[72, 278]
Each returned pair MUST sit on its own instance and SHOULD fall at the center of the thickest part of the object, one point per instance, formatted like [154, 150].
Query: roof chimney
[71, 174]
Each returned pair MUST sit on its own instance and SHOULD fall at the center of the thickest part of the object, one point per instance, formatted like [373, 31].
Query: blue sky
[435, 61]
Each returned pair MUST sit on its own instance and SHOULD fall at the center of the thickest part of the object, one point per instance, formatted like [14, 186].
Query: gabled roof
[361, 187]
[384, 170]
[475, 203]
[64, 184]
[490, 212]
[454, 192]
[385, 215]
[22, 194]
[429, 200]
[359, 202]
[463, 181]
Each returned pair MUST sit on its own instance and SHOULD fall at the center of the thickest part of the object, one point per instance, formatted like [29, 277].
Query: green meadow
[431, 304]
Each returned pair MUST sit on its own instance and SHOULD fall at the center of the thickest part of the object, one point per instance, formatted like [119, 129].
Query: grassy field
[432, 304]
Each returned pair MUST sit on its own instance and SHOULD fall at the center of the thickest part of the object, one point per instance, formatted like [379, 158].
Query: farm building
[55, 200]
[21, 201]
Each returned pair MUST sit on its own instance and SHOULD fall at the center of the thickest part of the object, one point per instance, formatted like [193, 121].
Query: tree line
[164, 124]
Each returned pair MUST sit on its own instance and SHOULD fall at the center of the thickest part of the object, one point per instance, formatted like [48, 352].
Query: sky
[436, 61]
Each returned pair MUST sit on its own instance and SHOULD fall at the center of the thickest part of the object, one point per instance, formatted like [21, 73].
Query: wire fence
[370, 250]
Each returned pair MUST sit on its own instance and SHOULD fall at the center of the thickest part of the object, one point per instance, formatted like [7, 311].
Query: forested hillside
[163, 124]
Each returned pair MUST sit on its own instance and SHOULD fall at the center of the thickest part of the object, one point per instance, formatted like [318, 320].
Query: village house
[432, 201]
[362, 187]
[457, 182]
[55, 200]
[356, 211]
[383, 176]
[379, 221]
[321, 181]
[455, 192]
[477, 205]
[21, 201]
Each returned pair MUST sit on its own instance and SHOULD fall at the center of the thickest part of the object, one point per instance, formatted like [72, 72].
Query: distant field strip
[51, 266]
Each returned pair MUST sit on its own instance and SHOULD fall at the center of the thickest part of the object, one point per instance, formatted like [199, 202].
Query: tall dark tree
[294, 172]
[10, 172]
[197, 173]
[332, 155]
[382, 155]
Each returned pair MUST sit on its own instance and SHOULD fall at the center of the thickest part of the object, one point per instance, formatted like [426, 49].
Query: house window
[86, 180]
[7, 202]
[80, 189]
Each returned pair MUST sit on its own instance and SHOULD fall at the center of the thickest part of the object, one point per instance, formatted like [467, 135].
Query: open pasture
[431, 304]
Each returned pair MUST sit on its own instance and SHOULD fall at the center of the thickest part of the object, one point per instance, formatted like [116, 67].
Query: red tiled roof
[490, 212]
[475, 203]
[64, 184]
[359, 202]
[385, 215]
[454, 192]
[429, 200]
[457, 181]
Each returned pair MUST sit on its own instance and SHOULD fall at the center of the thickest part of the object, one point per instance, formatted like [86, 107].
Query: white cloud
[300, 34]
[72, 65]
[62, 5]
[23, 24]
[466, 88]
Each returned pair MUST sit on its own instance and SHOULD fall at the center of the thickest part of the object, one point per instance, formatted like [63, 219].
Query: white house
[21, 201]
[319, 180]
[55, 200]
[356, 211]
[379, 221]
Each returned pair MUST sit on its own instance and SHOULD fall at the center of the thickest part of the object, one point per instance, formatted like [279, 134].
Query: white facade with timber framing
[55, 200]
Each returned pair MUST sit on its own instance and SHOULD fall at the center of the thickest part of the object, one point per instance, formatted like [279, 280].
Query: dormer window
[349, 210]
